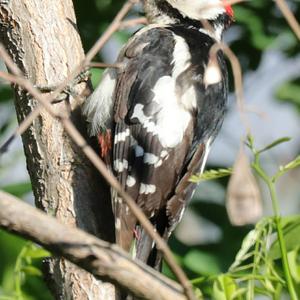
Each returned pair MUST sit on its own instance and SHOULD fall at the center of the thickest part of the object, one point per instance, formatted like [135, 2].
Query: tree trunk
[42, 39]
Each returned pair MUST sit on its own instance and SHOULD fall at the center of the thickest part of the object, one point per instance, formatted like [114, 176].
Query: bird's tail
[146, 249]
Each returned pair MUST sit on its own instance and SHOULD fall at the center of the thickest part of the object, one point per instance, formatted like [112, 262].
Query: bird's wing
[150, 140]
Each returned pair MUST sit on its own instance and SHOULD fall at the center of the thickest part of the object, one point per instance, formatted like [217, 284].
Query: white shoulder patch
[98, 107]
[181, 56]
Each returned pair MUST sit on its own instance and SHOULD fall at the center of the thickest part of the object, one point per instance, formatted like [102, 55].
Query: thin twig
[238, 79]
[133, 22]
[103, 65]
[289, 16]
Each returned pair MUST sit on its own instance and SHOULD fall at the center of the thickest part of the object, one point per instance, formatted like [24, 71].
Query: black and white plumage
[163, 109]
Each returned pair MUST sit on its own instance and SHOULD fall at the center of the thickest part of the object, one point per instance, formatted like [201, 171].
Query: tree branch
[100, 258]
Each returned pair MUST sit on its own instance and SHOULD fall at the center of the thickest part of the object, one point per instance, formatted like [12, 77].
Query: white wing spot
[158, 164]
[151, 127]
[130, 182]
[150, 159]
[120, 165]
[182, 56]
[139, 113]
[121, 136]
[147, 189]
[164, 154]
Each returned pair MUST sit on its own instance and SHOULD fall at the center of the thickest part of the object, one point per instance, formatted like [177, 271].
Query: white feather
[98, 107]
[120, 165]
[199, 9]
[130, 182]
[172, 119]
[150, 158]
[147, 189]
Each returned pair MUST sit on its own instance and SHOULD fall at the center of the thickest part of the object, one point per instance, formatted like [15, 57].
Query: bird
[157, 113]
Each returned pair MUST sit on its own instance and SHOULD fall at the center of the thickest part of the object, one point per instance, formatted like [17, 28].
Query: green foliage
[201, 262]
[268, 262]
[20, 269]
[291, 229]
[290, 92]
[211, 175]
[262, 27]
[225, 288]
[96, 76]
[270, 146]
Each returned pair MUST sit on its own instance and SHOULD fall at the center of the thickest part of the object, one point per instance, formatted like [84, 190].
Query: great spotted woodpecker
[156, 116]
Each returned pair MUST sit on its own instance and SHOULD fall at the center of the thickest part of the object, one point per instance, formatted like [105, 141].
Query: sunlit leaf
[290, 166]
[247, 244]
[275, 143]
[96, 74]
[32, 271]
[36, 252]
[289, 220]
[291, 237]
[211, 175]
[198, 293]
[224, 288]
[293, 258]
[201, 263]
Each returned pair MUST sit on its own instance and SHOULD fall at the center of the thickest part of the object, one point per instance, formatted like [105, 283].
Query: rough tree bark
[42, 39]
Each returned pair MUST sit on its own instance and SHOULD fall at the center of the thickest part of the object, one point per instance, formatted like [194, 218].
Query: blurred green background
[205, 243]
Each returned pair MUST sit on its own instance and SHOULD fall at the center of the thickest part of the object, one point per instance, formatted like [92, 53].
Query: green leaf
[275, 143]
[201, 263]
[290, 166]
[291, 237]
[18, 189]
[294, 265]
[198, 293]
[289, 220]
[248, 243]
[36, 252]
[224, 288]
[255, 25]
[2, 297]
[250, 141]
[211, 175]
[96, 75]
[32, 271]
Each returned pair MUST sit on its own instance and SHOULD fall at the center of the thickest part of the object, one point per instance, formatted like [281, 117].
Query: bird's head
[218, 13]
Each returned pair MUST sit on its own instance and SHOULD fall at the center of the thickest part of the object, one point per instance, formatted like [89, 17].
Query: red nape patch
[228, 8]
[104, 140]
